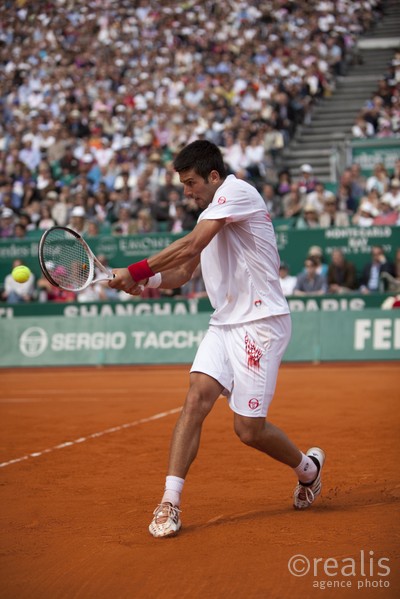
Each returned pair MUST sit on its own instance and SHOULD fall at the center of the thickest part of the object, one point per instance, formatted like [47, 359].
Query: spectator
[310, 282]
[255, 158]
[78, 220]
[397, 265]
[315, 252]
[274, 142]
[331, 216]
[287, 281]
[19, 231]
[371, 275]
[347, 198]
[392, 196]
[357, 181]
[272, 200]
[307, 181]
[379, 180]
[284, 183]
[46, 220]
[391, 282]
[341, 274]
[318, 197]
[396, 169]
[386, 214]
[293, 201]
[125, 224]
[365, 214]
[7, 223]
[166, 186]
[15, 293]
[145, 223]
[61, 207]
[48, 292]
[309, 218]
[362, 128]
[25, 221]
[92, 229]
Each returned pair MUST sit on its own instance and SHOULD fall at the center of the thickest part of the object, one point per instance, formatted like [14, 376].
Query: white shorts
[245, 359]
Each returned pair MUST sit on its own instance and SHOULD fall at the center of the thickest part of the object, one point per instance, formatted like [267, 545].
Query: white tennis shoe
[166, 521]
[306, 493]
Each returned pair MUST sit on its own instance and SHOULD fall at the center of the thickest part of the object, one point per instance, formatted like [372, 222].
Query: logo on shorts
[221, 200]
[253, 403]
[258, 303]
[253, 352]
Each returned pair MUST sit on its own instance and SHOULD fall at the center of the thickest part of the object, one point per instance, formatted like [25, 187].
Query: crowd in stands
[97, 97]
[337, 275]
[380, 117]
[340, 275]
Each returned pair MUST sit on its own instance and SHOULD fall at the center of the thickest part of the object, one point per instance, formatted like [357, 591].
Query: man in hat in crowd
[78, 220]
[307, 180]
[7, 223]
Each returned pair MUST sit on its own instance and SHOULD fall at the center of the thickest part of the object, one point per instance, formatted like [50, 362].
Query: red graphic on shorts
[253, 352]
[221, 200]
[253, 403]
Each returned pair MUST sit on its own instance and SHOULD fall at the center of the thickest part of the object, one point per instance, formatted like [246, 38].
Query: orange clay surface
[74, 518]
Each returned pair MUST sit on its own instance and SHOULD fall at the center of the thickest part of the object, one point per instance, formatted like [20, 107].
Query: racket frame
[106, 274]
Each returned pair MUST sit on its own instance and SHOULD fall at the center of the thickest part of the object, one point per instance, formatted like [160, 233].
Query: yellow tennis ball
[21, 274]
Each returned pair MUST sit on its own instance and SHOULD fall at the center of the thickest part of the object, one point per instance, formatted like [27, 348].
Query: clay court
[84, 453]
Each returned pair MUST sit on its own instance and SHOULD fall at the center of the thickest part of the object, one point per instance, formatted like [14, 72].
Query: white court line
[108, 431]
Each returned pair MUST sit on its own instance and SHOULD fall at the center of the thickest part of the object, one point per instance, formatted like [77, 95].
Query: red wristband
[140, 270]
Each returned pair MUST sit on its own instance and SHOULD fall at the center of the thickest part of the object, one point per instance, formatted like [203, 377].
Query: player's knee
[197, 405]
[247, 433]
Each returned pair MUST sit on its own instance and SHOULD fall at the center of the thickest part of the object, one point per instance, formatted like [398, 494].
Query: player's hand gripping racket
[68, 262]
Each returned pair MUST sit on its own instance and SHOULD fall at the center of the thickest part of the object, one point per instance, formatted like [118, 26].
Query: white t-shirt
[240, 265]
[288, 284]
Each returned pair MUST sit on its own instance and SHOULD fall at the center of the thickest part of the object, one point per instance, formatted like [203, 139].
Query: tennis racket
[68, 262]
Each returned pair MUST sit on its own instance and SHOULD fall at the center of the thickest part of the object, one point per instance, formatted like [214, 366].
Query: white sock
[173, 490]
[307, 470]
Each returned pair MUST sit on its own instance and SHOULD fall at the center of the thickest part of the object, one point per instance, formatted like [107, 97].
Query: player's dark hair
[203, 157]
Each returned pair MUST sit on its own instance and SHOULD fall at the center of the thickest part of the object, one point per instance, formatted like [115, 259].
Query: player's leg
[256, 351]
[203, 392]
[207, 376]
[268, 438]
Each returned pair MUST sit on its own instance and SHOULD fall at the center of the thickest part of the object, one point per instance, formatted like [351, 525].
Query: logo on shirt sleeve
[221, 200]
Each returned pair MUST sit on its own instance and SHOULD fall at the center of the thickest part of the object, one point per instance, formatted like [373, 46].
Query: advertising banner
[369, 152]
[317, 336]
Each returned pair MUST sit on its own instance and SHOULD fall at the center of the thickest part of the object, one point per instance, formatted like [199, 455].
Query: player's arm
[176, 262]
[176, 277]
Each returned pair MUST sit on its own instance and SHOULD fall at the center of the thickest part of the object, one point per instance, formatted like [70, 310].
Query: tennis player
[249, 330]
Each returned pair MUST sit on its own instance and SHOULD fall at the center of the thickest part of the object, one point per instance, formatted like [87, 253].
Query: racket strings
[66, 260]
